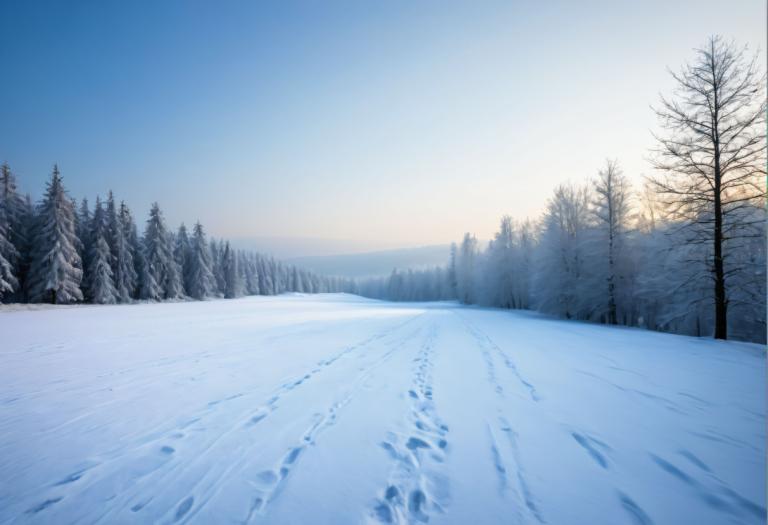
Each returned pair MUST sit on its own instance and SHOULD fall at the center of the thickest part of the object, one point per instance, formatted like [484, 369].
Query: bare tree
[611, 209]
[711, 158]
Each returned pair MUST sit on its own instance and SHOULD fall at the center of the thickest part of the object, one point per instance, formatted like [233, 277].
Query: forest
[58, 252]
[685, 253]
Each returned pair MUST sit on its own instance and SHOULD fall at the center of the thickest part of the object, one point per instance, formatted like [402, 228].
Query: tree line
[686, 253]
[58, 252]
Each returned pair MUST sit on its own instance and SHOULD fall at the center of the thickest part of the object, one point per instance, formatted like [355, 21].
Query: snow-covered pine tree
[200, 280]
[55, 274]
[282, 279]
[181, 254]
[112, 230]
[295, 280]
[231, 274]
[100, 284]
[22, 236]
[8, 280]
[172, 285]
[8, 253]
[18, 217]
[134, 248]
[217, 266]
[149, 289]
[250, 273]
[14, 206]
[82, 228]
[125, 275]
[160, 275]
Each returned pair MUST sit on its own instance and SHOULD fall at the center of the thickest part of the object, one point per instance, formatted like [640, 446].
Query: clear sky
[384, 123]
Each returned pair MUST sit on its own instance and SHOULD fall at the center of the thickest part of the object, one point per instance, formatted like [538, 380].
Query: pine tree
[134, 250]
[13, 206]
[160, 275]
[125, 253]
[231, 274]
[16, 222]
[181, 254]
[266, 282]
[8, 281]
[201, 283]
[22, 236]
[55, 272]
[113, 230]
[82, 225]
[8, 253]
[100, 283]
[251, 276]
[217, 267]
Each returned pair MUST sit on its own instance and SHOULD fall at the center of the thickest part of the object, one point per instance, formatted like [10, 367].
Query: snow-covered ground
[335, 409]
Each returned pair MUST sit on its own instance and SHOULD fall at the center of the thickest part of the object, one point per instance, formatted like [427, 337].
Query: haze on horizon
[392, 124]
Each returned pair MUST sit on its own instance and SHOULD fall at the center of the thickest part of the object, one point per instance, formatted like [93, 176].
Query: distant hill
[377, 263]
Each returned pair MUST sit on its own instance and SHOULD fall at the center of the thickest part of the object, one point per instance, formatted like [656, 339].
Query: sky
[379, 124]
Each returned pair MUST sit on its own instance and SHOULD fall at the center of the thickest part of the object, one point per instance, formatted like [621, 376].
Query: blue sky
[384, 123]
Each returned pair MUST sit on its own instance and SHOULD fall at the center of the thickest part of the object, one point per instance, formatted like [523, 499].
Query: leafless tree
[711, 158]
[611, 209]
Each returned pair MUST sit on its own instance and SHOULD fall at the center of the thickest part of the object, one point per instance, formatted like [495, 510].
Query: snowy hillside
[335, 409]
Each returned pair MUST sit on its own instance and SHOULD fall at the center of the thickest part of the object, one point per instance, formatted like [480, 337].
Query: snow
[332, 409]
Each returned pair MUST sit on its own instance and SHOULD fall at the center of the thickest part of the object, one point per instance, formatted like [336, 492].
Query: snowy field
[335, 409]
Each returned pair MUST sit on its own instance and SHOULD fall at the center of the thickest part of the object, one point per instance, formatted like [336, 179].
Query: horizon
[405, 124]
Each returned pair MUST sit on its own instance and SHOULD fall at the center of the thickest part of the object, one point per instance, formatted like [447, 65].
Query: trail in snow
[416, 488]
[334, 409]
[503, 438]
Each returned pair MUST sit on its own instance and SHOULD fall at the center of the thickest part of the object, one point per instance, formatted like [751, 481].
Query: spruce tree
[250, 275]
[134, 250]
[217, 267]
[100, 284]
[82, 227]
[55, 274]
[230, 272]
[113, 231]
[8, 281]
[124, 254]
[22, 237]
[201, 283]
[181, 255]
[17, 217]
[160, 275]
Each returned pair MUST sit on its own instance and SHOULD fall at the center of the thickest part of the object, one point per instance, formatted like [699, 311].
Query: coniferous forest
[60, 252]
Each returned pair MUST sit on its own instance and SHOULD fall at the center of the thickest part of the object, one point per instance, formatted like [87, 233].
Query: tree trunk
[721, 320]
[721, 303]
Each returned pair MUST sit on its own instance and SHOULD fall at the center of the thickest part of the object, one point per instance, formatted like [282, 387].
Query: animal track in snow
[416, 487]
